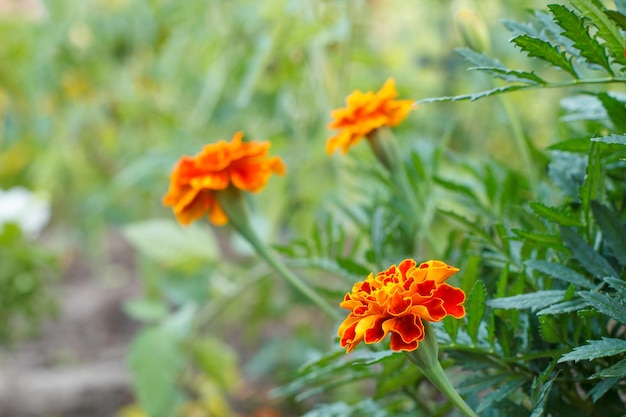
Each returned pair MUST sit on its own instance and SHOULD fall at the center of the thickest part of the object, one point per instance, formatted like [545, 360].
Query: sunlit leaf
[560, 272]
[595, 349]
[575, 30]
[539, 48]
[534, 301]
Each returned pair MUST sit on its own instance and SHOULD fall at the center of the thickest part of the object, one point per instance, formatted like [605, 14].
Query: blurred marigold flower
[195, 181]
[396, 301]
[364, 113]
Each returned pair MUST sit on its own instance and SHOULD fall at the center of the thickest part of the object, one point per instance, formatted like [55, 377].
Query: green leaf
[168, 242]
[571, 145]
[217, 360]
[551, 329]
[353, 267]
[590, 189]
[615, 371]
[155, 362]
[554, 215]
[512, 76]
[607, 28]
[500, 394]
[595, 349]
[539, 403]
[575, 30]
[616, 109]
[541, 49]
[591, 260]
[611, 139]
[560, 272]
[145, 309]
[534, 301]
[617, 284]
[475, 96]
[617, 17]
[564, 307]
[613, 230]
[475, 310]
[479, 59]
[602, 388]
[553, 241]
[606, 305]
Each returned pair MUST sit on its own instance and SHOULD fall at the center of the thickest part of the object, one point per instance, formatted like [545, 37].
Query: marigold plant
[396, 301]
[364, 113]
[195, 180]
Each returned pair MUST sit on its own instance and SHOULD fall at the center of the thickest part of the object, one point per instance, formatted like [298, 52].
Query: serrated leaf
[560, 272]
[614, 371]
[475, 310]
[589, 259]
[353, 267]
[616, 109]
[617, 17]
[613, 230]
[564, 307]
[554, 215]
[575, 30]
[595, 349]
[550, 329]
[475, 96]
[543, 238]
[606, 305]
[481, 382]
[479, 59]
[155, 361]
[617, 284]
[541, 49]
[518, 28]
[539, 403]
[611, 139]
[607, 28]
[500, 394]
[602, 388]
[512, 76]
[534, 301]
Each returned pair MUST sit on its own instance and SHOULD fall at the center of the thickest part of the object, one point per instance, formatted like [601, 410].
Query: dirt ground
[75, 366]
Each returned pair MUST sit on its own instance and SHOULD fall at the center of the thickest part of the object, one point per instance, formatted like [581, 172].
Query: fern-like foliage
[577, 39]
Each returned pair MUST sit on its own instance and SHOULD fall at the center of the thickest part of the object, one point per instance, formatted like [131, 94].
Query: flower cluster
[396, 301]
[364, 113]
[195, 180]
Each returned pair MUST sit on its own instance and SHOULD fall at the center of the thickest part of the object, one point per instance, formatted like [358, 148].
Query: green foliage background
[524, 192]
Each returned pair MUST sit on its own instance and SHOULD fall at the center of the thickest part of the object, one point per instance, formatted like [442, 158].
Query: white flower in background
[29, 211]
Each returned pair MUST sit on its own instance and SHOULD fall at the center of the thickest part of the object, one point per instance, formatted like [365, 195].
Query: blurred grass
[98, 99]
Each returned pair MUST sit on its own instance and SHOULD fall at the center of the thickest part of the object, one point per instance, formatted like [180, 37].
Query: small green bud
[473, 30]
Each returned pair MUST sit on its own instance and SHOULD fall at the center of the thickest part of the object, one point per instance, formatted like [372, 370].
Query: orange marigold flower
[195, 180]
[364, 113]
[396, 301]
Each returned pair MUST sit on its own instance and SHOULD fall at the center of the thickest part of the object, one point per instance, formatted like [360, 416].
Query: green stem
[426, 359]
[436, 375]
[232, 203]
[562, 84]
[520, 142]
[384, 146]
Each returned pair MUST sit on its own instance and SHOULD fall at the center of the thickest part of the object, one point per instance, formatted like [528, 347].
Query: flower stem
[383, 144]
[426, 359]
[233, 205]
